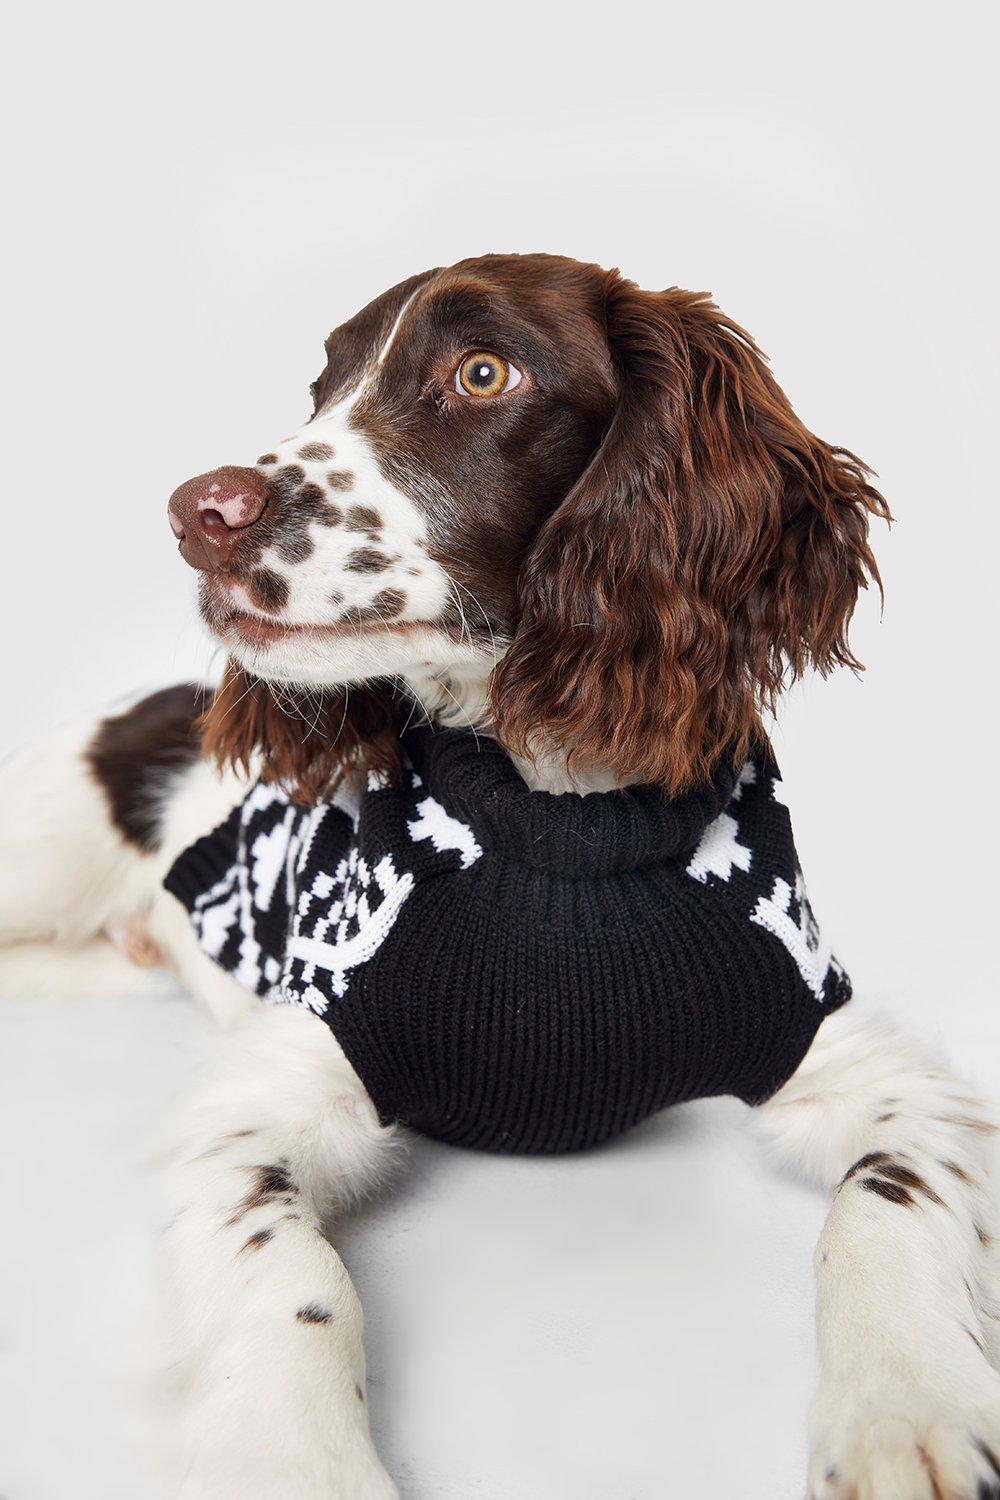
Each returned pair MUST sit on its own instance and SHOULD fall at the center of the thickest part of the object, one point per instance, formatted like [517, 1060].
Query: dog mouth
[233, 624]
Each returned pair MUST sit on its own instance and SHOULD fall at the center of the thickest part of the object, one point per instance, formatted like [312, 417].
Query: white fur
[907, 1316]
[909, 1321]
[274, 1405]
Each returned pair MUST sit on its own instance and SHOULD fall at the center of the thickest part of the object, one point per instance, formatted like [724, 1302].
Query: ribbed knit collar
[595, 834]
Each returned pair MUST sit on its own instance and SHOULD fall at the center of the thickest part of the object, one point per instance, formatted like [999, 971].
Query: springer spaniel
[581, 520]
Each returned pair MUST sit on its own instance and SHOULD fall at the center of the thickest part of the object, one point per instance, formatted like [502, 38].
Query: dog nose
[208, 514]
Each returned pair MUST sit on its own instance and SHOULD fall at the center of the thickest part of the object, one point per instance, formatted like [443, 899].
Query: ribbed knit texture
[516, 971]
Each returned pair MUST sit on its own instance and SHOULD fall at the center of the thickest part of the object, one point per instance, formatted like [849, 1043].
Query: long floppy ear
[308, 742]
[712, 550]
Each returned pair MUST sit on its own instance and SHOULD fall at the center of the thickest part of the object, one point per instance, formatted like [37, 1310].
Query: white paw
[906, 1442]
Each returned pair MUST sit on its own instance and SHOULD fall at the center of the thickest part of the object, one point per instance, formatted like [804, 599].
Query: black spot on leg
[271, 1184]
[258, 1240]
[905, 1176]
[883, 1119]
[873, 1159]
[313, 1313]
[890, 1191]
[359, 1393]
[893, 1180]
[832, 1474]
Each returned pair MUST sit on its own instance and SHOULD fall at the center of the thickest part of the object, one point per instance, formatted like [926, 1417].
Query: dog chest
[515, 971]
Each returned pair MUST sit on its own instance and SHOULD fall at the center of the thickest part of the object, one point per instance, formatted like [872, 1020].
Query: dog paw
[894, 1447]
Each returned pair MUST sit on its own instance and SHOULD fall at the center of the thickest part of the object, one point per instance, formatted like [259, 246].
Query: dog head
[583, 514]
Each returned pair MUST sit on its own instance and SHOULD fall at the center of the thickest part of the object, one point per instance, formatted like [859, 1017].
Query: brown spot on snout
[267, 589]
[364, 518]
[367, 560]
[389, 602]
[290, 475]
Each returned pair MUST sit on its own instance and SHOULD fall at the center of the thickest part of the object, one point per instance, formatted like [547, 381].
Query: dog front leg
[266, 1324]
[909, 1402]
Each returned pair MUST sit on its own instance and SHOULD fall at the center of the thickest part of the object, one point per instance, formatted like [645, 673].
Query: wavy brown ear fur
[711, 551]
[306, 741]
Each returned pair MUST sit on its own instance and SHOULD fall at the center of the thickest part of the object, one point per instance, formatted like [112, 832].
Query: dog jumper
[518, 971]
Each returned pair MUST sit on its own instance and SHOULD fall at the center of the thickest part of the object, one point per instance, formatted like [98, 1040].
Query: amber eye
[485, 374]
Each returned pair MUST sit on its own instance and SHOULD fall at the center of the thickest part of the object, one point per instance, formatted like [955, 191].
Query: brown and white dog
[535, 499]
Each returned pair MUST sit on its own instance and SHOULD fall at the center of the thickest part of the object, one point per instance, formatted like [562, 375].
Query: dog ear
[308, 742]
[710, 552]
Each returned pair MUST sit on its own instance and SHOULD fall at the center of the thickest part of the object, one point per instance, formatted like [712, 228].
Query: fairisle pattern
[521, 971]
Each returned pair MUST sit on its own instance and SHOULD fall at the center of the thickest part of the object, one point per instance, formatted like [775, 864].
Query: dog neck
[461, 701]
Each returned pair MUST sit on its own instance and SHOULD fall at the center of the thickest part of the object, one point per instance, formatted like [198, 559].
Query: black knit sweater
[517, 971]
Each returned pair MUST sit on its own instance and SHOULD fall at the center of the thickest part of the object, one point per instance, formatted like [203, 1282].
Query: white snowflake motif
[341, 920]
[800, 936]
[719, 851]
[444, 831]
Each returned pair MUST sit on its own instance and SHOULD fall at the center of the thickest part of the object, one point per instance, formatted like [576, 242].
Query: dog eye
[485, 374]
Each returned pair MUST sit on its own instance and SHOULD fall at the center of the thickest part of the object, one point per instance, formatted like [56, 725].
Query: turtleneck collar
[599, 833]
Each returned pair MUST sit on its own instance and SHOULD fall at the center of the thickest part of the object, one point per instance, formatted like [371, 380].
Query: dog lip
[255, 630]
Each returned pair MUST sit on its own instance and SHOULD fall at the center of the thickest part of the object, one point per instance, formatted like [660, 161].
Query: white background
[196, 194]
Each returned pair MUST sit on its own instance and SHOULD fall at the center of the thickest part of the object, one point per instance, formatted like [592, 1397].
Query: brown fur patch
[313, 1313]
[340, 479]
[893, 1179]
[308, 747]
[891, 1191]
[364, 518]
[389, 602]
[316, 452]
[267, 589]
[271, 1184]
[367, 560]
[132, 754]
[257, 1240]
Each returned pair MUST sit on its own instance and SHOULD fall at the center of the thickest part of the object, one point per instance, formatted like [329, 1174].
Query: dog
[569, 537]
